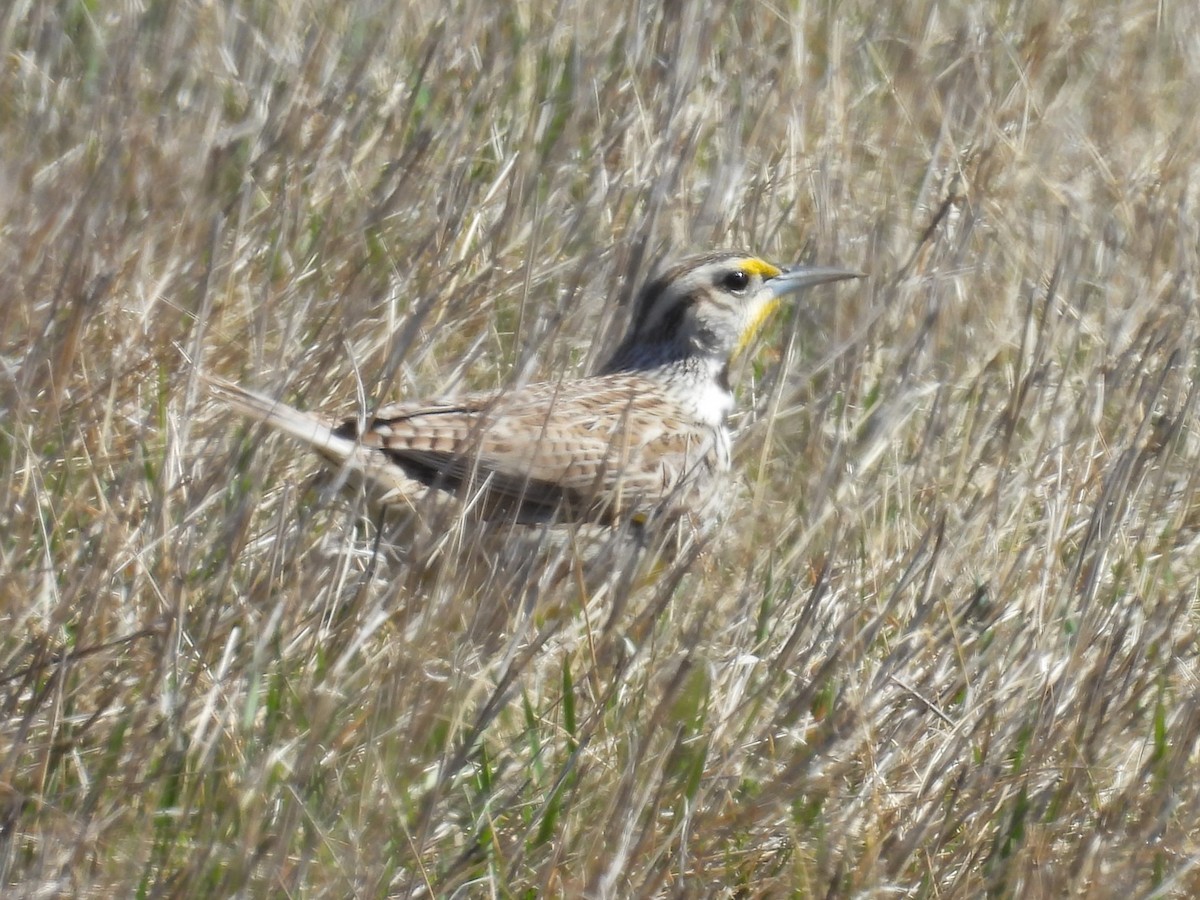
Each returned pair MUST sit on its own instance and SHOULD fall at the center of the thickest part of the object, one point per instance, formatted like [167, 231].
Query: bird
[642, 442]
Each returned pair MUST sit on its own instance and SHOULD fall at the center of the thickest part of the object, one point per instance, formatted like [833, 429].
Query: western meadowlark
[644, 440]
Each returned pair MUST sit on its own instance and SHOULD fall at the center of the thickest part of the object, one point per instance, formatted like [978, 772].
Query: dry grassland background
[946, 642]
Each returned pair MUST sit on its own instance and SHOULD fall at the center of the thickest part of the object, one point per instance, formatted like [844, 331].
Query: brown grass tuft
[946, 644]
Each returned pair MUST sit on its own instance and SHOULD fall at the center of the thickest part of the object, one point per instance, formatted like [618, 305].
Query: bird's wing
[616, 443]
[545, 445]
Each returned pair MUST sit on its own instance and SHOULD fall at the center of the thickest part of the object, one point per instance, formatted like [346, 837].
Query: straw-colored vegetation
[946, 642]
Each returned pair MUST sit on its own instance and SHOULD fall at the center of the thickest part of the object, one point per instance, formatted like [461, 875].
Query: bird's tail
[312, 429]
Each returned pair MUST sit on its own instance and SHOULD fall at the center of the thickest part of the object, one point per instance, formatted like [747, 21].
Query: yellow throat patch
[767, 271]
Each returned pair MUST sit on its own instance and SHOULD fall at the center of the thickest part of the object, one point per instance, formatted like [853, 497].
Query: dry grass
[946, 645]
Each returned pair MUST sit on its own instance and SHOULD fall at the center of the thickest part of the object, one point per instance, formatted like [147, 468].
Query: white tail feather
[310, 428]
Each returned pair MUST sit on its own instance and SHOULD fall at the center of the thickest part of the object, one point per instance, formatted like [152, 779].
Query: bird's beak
[797, 278]
[789, 281]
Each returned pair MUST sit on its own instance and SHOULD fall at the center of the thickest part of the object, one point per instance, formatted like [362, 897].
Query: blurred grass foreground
[945, 645]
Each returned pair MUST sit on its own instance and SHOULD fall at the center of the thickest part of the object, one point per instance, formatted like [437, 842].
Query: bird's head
[711, 307]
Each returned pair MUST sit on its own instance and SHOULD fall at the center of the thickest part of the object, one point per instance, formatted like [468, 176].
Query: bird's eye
[737, 280]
